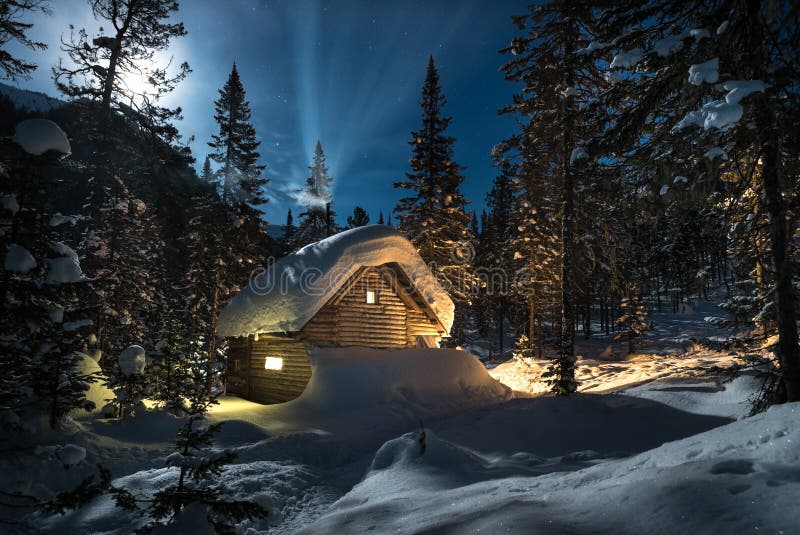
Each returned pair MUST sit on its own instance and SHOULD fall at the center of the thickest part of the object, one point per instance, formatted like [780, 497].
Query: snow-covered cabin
[363, 287]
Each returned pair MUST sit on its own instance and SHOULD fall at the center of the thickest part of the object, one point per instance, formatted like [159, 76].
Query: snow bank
[738, 478]
[132, 360]
[9, 202]
[423, 381]
[38, 136]
[71, 454]
[289, 293]
[18, 259]
[64, 270]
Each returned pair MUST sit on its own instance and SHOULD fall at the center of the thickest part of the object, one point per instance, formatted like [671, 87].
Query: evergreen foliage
[433, 214]
[317, 222]
[14, 27]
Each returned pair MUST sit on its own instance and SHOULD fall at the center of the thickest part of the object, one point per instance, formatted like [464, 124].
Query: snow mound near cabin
[287, 294]
[420, 381]
[739, 478]
[38, 136]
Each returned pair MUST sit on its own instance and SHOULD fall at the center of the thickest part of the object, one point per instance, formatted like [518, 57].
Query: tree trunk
[788, 350]
[212, 337]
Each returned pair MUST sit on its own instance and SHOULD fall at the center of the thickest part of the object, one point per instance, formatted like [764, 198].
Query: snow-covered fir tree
[234, 146]
[196, 464]
[433, 214]
[317, 222]
[632, 321]
[556, 80]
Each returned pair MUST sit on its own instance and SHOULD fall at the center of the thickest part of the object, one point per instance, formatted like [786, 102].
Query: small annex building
[364, 287]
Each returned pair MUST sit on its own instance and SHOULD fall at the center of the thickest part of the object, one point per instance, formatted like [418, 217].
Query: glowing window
[273, 363]
[372, 298]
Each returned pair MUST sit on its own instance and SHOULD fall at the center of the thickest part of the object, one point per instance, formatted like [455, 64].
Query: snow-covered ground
[653, 445]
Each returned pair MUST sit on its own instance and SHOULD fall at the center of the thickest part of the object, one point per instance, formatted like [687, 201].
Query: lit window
[371, 297]
[273, 363]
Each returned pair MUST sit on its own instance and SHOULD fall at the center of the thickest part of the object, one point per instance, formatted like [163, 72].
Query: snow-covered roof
[289, 293]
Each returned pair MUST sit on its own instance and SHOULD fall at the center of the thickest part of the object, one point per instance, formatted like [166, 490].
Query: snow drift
[421, 381]
[285, 296]
[741, 477]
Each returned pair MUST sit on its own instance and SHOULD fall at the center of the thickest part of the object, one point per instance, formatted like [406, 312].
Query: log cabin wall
[348, 320]
[287, 383]
[419, 324]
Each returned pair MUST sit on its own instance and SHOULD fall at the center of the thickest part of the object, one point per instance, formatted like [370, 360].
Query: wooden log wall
[277, 386]
[420, 325]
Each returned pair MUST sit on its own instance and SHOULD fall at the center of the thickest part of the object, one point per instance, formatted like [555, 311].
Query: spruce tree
[196, 464]
[317, 222]
[497, 258]
[380, 218]
[207, 174]
[288, 233]
[235, 147]
[433, 214]
[632, 321]
[358, 219]
[556, 79]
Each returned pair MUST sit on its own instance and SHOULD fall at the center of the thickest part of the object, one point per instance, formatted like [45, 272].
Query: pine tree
[317, 222]
[216, 268]
[207, 174]
[495, 253]
[235, 147]
[289, 231]
[556, 79]
[380, 218]
[632, 321]
[13, 28]
[433, 216]
[359, 218]
[125, 253]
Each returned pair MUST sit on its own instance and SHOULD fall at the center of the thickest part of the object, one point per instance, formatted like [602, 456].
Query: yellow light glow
[273, 363]
[370, 297]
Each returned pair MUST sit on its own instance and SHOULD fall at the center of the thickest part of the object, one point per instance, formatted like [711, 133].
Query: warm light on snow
[273, 363]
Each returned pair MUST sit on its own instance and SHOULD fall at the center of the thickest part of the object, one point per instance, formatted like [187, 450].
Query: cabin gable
[366, 312]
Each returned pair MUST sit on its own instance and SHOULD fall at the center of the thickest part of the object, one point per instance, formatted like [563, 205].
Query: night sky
[348, 72]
